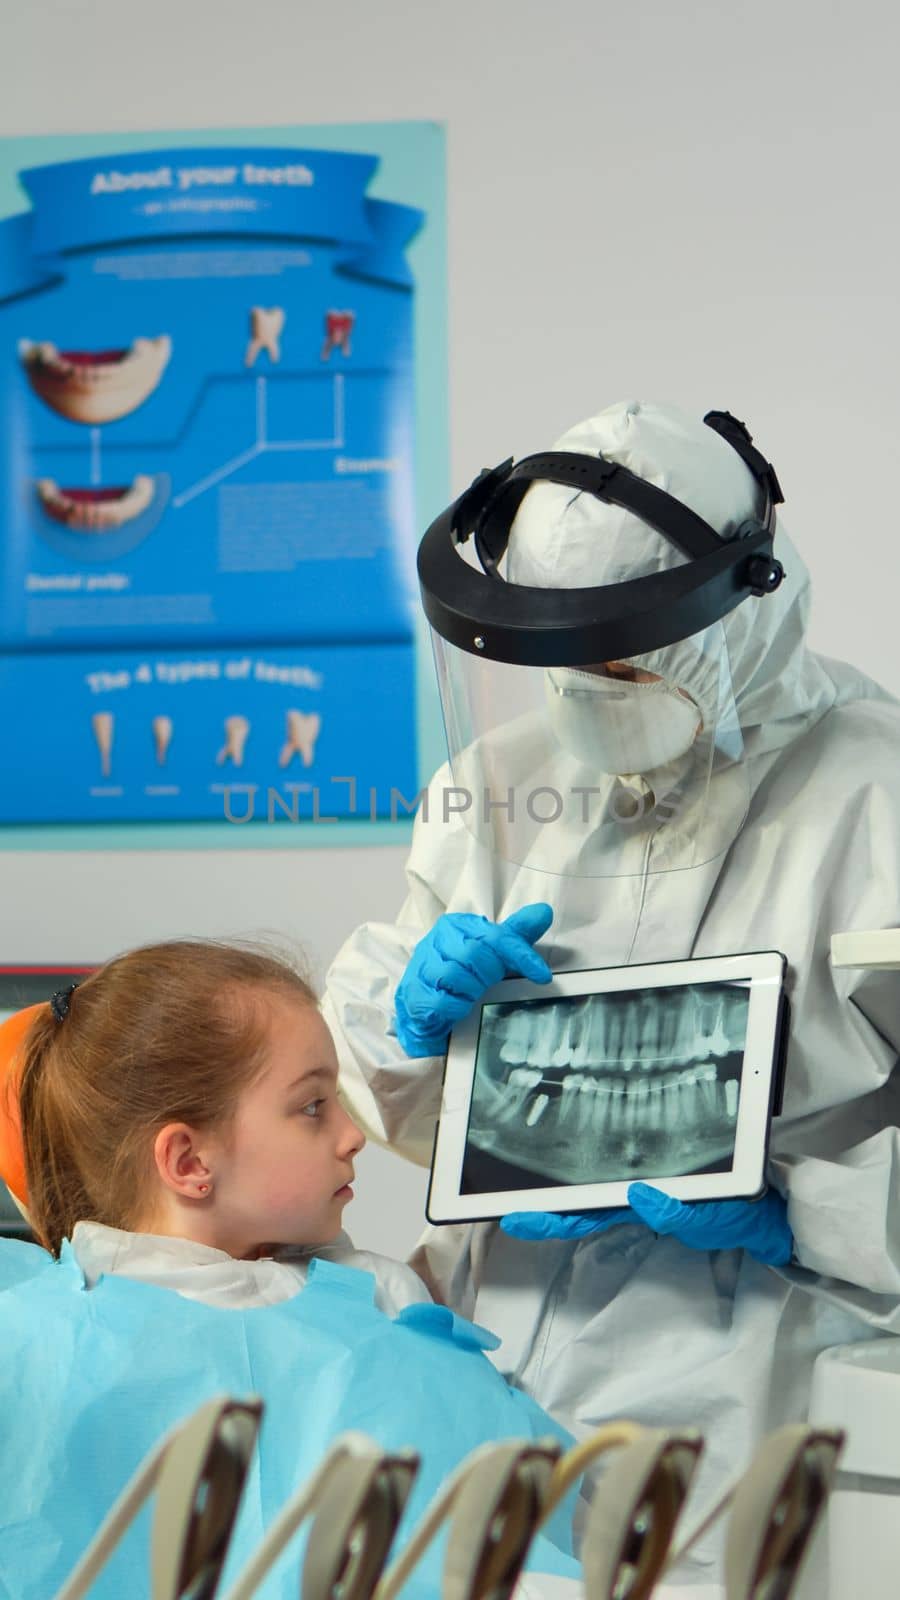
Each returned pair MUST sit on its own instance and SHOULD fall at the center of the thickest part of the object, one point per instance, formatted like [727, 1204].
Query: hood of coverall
[561, 540]
[750, 675]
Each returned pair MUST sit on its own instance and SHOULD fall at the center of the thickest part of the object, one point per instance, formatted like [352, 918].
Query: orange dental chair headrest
[13, 1033]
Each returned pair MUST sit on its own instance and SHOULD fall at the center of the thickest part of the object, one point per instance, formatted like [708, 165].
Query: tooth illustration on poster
[237, 730]
[303, 730]
[102, 723]
[338, 329]
[208, 386]
[265, 333]
[162, 728]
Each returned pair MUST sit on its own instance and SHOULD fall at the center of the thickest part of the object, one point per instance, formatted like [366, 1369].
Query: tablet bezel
[763, 970]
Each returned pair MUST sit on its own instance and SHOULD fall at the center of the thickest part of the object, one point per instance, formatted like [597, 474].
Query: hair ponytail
[56, 1190]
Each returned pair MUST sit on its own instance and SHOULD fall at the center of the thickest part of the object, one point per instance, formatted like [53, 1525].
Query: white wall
[690, 201]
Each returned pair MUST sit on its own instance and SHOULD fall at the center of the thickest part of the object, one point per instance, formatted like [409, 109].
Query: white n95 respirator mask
[616, 726]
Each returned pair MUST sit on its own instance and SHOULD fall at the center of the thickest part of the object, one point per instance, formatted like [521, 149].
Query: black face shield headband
[481, 613]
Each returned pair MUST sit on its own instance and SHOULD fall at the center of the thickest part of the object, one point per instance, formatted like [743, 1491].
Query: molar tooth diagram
[303, 730]
[265, 333]
[338, 330]
[607, 1087]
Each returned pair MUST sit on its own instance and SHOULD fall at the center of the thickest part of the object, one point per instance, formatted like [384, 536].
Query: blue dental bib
[93, 1377]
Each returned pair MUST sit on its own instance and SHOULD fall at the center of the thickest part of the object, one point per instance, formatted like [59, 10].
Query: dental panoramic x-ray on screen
[607, 1087]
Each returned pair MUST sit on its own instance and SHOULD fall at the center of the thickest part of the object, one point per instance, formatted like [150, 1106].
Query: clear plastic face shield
[601, 770]
[585, 736]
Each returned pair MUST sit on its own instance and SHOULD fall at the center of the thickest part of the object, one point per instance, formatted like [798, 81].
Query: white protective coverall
[627, 1324]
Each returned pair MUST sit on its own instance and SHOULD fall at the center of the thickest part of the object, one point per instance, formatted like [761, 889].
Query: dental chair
[22, 986]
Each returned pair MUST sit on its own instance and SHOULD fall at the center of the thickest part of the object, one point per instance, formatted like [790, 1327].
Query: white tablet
[557, 1096]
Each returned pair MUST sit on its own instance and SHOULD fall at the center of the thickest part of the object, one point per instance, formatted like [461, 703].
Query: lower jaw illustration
[96, 510]
[237, 730]
[95, 386]
[102, 723]
[303, 730]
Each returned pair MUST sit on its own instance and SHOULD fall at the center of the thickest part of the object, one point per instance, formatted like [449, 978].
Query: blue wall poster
[207, 483]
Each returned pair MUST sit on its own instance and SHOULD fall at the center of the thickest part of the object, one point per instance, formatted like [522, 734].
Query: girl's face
[281, 1172]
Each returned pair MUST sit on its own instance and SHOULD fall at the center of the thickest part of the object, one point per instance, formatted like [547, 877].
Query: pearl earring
[203, 1188]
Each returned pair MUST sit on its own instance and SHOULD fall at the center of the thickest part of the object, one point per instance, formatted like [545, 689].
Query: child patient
[187, 1163]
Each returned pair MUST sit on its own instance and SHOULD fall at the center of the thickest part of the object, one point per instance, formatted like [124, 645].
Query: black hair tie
[59, 1002]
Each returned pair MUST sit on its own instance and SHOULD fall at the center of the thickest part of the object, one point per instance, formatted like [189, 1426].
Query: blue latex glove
[461, 957]
[758, 1226]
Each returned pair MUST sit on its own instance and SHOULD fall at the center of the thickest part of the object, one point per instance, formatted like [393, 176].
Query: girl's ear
[180, 1163]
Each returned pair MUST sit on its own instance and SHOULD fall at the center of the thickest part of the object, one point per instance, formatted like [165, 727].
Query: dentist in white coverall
[744, 795]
